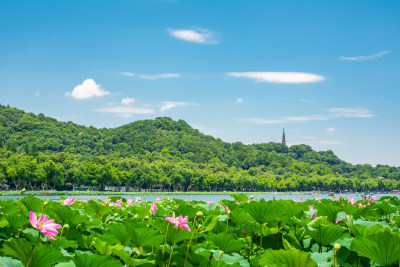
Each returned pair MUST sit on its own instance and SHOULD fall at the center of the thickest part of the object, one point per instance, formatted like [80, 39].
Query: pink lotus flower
[310, 207]
[45, 226]
[337, 220]
[87, 200]
[301, 198]
[153, 208]
[179, 222]
[372, 198]
[137, 199]
[361, 205]
[129, 202]
[158, 199]
[118, 203]
[68, 201]
[351, 201]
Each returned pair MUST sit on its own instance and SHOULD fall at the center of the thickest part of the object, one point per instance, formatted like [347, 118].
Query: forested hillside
[40, 152]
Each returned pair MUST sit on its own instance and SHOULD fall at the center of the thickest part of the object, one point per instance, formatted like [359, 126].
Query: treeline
[39, 152]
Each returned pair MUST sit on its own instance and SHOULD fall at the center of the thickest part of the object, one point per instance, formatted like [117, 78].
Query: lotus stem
[165, 241]
[172, 250]
[33, 252]
[190, 242]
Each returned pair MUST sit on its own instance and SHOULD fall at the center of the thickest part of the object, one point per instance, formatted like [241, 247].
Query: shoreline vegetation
[107, 193]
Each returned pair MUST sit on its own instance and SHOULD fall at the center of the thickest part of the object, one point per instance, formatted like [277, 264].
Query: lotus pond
[241, 231]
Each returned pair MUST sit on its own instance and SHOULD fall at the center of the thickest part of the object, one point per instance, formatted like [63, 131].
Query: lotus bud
[251, 197]
[244, 230]
[221, 253]
[146, 218]
[23, 190]
[337, 246]
[46, 202]
[66, 226]
[199, 214]
[135, 217]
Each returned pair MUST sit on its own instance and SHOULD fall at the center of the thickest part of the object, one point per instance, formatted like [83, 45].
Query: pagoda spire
[283, 137]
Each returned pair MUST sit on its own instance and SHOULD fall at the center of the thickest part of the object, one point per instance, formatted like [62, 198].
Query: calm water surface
[215, 198]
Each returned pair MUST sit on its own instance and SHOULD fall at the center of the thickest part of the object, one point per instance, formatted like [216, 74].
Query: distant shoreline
[60, 193]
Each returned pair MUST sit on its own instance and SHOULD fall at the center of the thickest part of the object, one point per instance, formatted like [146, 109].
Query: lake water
[215, 198]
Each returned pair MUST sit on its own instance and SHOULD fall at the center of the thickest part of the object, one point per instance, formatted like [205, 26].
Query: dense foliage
[173, 232]
[38, 152]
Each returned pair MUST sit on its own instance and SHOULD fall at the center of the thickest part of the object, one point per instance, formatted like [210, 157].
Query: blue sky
[326, 71]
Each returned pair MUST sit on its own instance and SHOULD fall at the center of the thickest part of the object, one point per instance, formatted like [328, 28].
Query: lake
[215, 198]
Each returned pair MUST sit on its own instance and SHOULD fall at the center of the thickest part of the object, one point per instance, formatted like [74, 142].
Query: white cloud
[87, 89]
[158, 76]
[369, 57]
[124, 111]
[286, 119]
[201, 36]
[329, 142]
[279, 77]
[239, 100]
[37, 94]
[171, 104]
[130, 74]
[152, 77]
[127, 101]
[351, 112]
[330, 130]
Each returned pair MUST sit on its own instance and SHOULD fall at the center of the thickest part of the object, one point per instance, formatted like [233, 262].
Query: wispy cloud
[330, 130]
[239, 100]
[172, 104]
[286, 119]
[369, 57]
[351, 112]
[125, 111]
[37, 94]
[87, 89]
[152, 77]
[279, 77]
[333, 113]
[328, 142]
[127, 101]
[201, 36]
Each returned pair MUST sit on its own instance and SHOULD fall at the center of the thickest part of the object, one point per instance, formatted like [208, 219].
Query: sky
[325, 71]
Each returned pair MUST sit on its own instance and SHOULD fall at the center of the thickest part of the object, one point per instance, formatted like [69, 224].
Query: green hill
[41, 152]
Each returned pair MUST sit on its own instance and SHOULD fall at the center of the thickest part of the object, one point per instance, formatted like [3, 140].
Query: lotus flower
[372, 198]
[351, 201]
[179, 222]
[68, 201]
[45, 226]
[310, 207]
[87, 200]
[137, 199]
[158, 199]
[153, 208]
[118, 203]
[129, 202]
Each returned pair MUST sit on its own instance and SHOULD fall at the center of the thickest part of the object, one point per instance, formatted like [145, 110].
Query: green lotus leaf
[63, 242]
[290, 242]
[240, 216]
[241, 198]
[226, 242]
[328, 210]
[104, 248]
[118, 231]
[386, 208]
[9, 262]
[85, 260]
[143, 237]
[8, 206]
[186, 210]
[46, 256]
[265, 211]
[16, 221]
[33, 203]
[359, 230]
[289, 258]
[234, 260]
[68, 215]
[209, 224]
[18, 248]
[322, 258]
[382, 248]
[326, 234]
